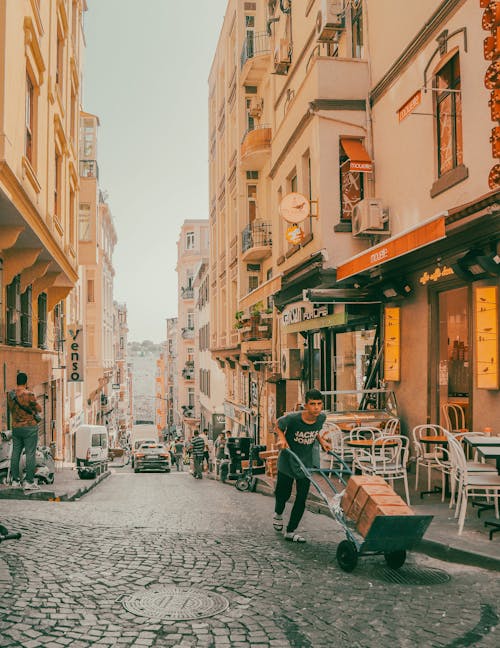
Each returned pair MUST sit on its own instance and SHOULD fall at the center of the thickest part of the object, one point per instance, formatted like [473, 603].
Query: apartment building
[96, 242]
[210, 382]
[192, 247]
[354, 206]
[122, 376]
[41, 45]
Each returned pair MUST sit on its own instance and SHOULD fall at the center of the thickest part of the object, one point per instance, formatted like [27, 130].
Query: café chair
[470, 484]
[428, 456]
[362, 455]
[454, 418]
[392, 427]
[334, 435]
[388, 459]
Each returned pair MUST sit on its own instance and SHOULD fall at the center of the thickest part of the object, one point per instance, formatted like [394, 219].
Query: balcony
[188, 374]
[188, 411]
[255, 148]
[89, 169]
[255, 57]
[187, 293]
[256, 241]
[187, 333]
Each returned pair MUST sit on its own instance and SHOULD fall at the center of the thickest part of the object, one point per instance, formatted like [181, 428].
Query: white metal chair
[360, 433]
[392, 427]
[454, 418]
[427, 456]
[334, 435]
[470, 483]
[388, 459]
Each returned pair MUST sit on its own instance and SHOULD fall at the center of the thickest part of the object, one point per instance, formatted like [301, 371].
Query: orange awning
[358, 157]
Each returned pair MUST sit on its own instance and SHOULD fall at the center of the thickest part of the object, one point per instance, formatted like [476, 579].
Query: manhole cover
[412, 575]
[176, 604]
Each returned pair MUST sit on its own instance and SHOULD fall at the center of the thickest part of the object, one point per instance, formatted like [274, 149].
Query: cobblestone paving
[61, 585]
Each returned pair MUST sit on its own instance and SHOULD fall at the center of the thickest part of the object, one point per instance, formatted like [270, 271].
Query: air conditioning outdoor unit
[369, 217]
[255, 108]
[282, 56]
[291, 366]
[330, 20]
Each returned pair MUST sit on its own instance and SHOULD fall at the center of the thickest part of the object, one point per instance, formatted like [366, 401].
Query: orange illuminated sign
[410, 105]
[486, 312]
[393, 248]
[392, 344]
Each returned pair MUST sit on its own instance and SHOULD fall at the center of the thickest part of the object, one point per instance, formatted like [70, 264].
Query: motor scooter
[44, 462]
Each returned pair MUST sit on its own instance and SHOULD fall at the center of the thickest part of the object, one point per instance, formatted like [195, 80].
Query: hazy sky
[146, 77]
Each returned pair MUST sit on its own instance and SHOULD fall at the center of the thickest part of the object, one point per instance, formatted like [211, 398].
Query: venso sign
[75, 361]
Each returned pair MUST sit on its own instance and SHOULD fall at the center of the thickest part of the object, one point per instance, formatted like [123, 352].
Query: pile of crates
[366, 497]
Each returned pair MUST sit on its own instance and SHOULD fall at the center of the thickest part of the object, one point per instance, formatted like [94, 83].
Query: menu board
[392, 344]
[486, 333]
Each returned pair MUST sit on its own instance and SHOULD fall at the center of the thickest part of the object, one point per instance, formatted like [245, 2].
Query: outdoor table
[490, 451]
[437, 439]
[368, 443]
[475, 441]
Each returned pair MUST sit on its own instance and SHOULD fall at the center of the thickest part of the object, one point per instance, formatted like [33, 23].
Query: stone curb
[84, 489]
[50, 495]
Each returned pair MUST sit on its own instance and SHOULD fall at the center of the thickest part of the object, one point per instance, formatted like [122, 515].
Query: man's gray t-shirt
[300, 437]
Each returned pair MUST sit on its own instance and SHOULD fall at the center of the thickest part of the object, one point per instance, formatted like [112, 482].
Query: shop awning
[359, 160]
[261, 293]
[412, 239]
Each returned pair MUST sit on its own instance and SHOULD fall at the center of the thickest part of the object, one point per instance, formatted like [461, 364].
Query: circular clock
[294, 207]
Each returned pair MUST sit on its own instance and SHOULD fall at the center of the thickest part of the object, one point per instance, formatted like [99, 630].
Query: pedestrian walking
[24, 410]
[197, 449]
[220, 451]
[297, 431]
[206, 451]
[179, 446]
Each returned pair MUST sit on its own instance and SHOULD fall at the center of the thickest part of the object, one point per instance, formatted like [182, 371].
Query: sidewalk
[441, 540]
[67, 486]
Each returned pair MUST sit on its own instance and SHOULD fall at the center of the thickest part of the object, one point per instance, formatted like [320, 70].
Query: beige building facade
[353, 193]
[41, 46]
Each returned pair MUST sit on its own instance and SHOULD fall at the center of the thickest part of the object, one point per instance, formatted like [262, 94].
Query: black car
[152, 456]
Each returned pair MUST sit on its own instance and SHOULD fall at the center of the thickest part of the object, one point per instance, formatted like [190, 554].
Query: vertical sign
[486, 312]
[392, 344]
[75, 359]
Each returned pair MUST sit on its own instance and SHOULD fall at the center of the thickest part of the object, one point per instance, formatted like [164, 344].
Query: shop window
[449, 116]
[351, 187]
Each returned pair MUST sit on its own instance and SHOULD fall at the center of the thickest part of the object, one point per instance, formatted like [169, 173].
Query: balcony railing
[89, 169]
[187, 293]
[255, 44]
[188, 374]
[187, 333]
[257, 234]
[255, 147]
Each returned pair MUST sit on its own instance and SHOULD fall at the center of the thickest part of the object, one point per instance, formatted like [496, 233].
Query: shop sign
[392, 344]
[75, 362]
[302, 311]
[407, 108]
[486, 315]
[218, 422]
[294, 207]
[325, 321]
[438, 273]
[295, 234]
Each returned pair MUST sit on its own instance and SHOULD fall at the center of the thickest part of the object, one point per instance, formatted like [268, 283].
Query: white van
[91, 450]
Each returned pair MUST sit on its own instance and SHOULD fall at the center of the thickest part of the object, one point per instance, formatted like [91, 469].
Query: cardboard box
[373, 508]
[367, 491]
[353, 485]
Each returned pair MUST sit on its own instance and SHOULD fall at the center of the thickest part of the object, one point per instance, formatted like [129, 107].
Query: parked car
[152, 456]
[91, 449]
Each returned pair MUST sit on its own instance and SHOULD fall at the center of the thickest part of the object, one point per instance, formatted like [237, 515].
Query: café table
[370, 443]
[490, 451]
[436, 439]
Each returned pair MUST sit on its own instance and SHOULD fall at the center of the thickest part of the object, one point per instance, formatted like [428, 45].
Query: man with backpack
[24, 410]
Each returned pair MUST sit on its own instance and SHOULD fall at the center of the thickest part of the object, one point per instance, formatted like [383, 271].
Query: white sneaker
[15, 483]
[33, 486]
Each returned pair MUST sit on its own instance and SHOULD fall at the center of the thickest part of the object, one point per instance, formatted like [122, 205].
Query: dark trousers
[282, 493]
[27, 438]
[198, 465]
[179, 462]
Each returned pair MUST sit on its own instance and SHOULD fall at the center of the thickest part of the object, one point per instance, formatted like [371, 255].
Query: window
[351, 187]
[29, 119]
[252, 202]
[71, 224]
[14, 311]
[449, 116]
[253, 282]
[42, 320]
[84, 222]
[357, 28]
[57, 185]
[190, 396]
[190, 319]
[90, 291]
[26, 328]
[250, 119]
[59, 326]
[189, 240]
[60, 61]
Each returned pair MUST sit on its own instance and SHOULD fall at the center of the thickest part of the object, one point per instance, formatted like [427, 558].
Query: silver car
[152, 456]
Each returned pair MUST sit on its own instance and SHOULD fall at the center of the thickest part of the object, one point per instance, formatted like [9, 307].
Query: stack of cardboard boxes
[366, 497]
[271, 459]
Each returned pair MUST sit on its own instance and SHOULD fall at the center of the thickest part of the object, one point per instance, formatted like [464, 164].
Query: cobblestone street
[65, 582]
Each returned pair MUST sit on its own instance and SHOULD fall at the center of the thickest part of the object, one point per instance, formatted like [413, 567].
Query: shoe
[278, 522]
[15, 483]
[294, 537]
[31, 486]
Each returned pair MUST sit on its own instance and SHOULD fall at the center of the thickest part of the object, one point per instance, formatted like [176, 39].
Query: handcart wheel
[395, 559]
[244, 484]
[347, 555]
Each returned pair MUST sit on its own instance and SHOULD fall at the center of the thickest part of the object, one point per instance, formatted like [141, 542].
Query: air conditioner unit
[282, 56]
[369, 217]
[330, 20]
[291, 365]
[256, 106]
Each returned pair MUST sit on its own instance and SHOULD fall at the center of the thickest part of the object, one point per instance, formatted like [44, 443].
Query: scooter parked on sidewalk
[44, 462]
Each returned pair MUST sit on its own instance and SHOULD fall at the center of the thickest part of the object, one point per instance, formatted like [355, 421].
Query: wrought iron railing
[255, 44]
[187, 293]
[257, 234]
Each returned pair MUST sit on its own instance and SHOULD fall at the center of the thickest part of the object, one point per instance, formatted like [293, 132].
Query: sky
[146, 78]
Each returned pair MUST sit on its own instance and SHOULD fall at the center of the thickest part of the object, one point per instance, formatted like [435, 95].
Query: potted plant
[256, 309]
[238, 320]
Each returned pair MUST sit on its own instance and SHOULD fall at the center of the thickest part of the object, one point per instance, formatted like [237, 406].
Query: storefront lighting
[390, 292]
[468, 267]
[490, 264]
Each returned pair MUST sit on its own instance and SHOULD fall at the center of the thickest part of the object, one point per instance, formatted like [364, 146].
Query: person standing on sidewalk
[297, 431]
[24, 410]
[178, 446]
[198, 450]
